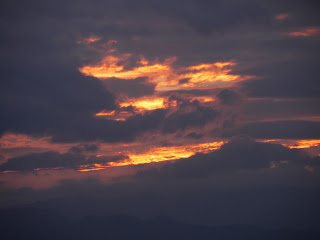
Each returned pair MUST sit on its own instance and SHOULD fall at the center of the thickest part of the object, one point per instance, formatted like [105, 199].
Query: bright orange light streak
[305, 143]
[203, 99]
[292, 143]
[168, 153]
[120, 119]
[95, 167]
[105, 113]
[147, 104]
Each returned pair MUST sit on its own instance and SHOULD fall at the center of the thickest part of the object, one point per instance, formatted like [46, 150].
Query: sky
[203, 111]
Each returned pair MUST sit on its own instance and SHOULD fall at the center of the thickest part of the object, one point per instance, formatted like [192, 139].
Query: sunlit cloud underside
[166, 75]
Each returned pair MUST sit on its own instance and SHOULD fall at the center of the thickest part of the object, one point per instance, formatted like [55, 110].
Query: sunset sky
[204, 111]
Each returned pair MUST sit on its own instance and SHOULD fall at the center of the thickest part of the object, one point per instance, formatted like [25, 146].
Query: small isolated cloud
[281, 16]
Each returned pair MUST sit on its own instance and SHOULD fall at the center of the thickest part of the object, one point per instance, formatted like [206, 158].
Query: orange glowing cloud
[203, 99]
[307, 32]
[145, 103]
[93, 167]
[136, 153]
[13, 145]
[151, 155]
[141, 105]
[306, 143]
[106, 113]
[203, 75]
[109, 68]
[293, 143]
[164, 74]
[160, 154]
[89, 40]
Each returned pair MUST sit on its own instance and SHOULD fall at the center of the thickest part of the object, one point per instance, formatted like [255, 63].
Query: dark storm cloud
[194, 135]
[134, 88]
[278, 130]
[49, 101]
[189, 114]
[111, 131]
[273, 108]
[229, 97]
[241, 153]
[54, 159]
[41, 89]
[291, 79]
[84, 148]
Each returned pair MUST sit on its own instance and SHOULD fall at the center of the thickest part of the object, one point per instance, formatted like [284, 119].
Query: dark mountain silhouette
[33, 223]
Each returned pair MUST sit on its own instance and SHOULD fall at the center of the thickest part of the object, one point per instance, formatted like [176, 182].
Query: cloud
[276, 109]
[229, 97]
[54, 160]
[84, 148]
[240, 153]
[294, 78]
[195, 135]
[134, 88]
[189, 114]
[278, 130]
[307, 32]
[44, 94]
[281, 16]
[233, 185]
